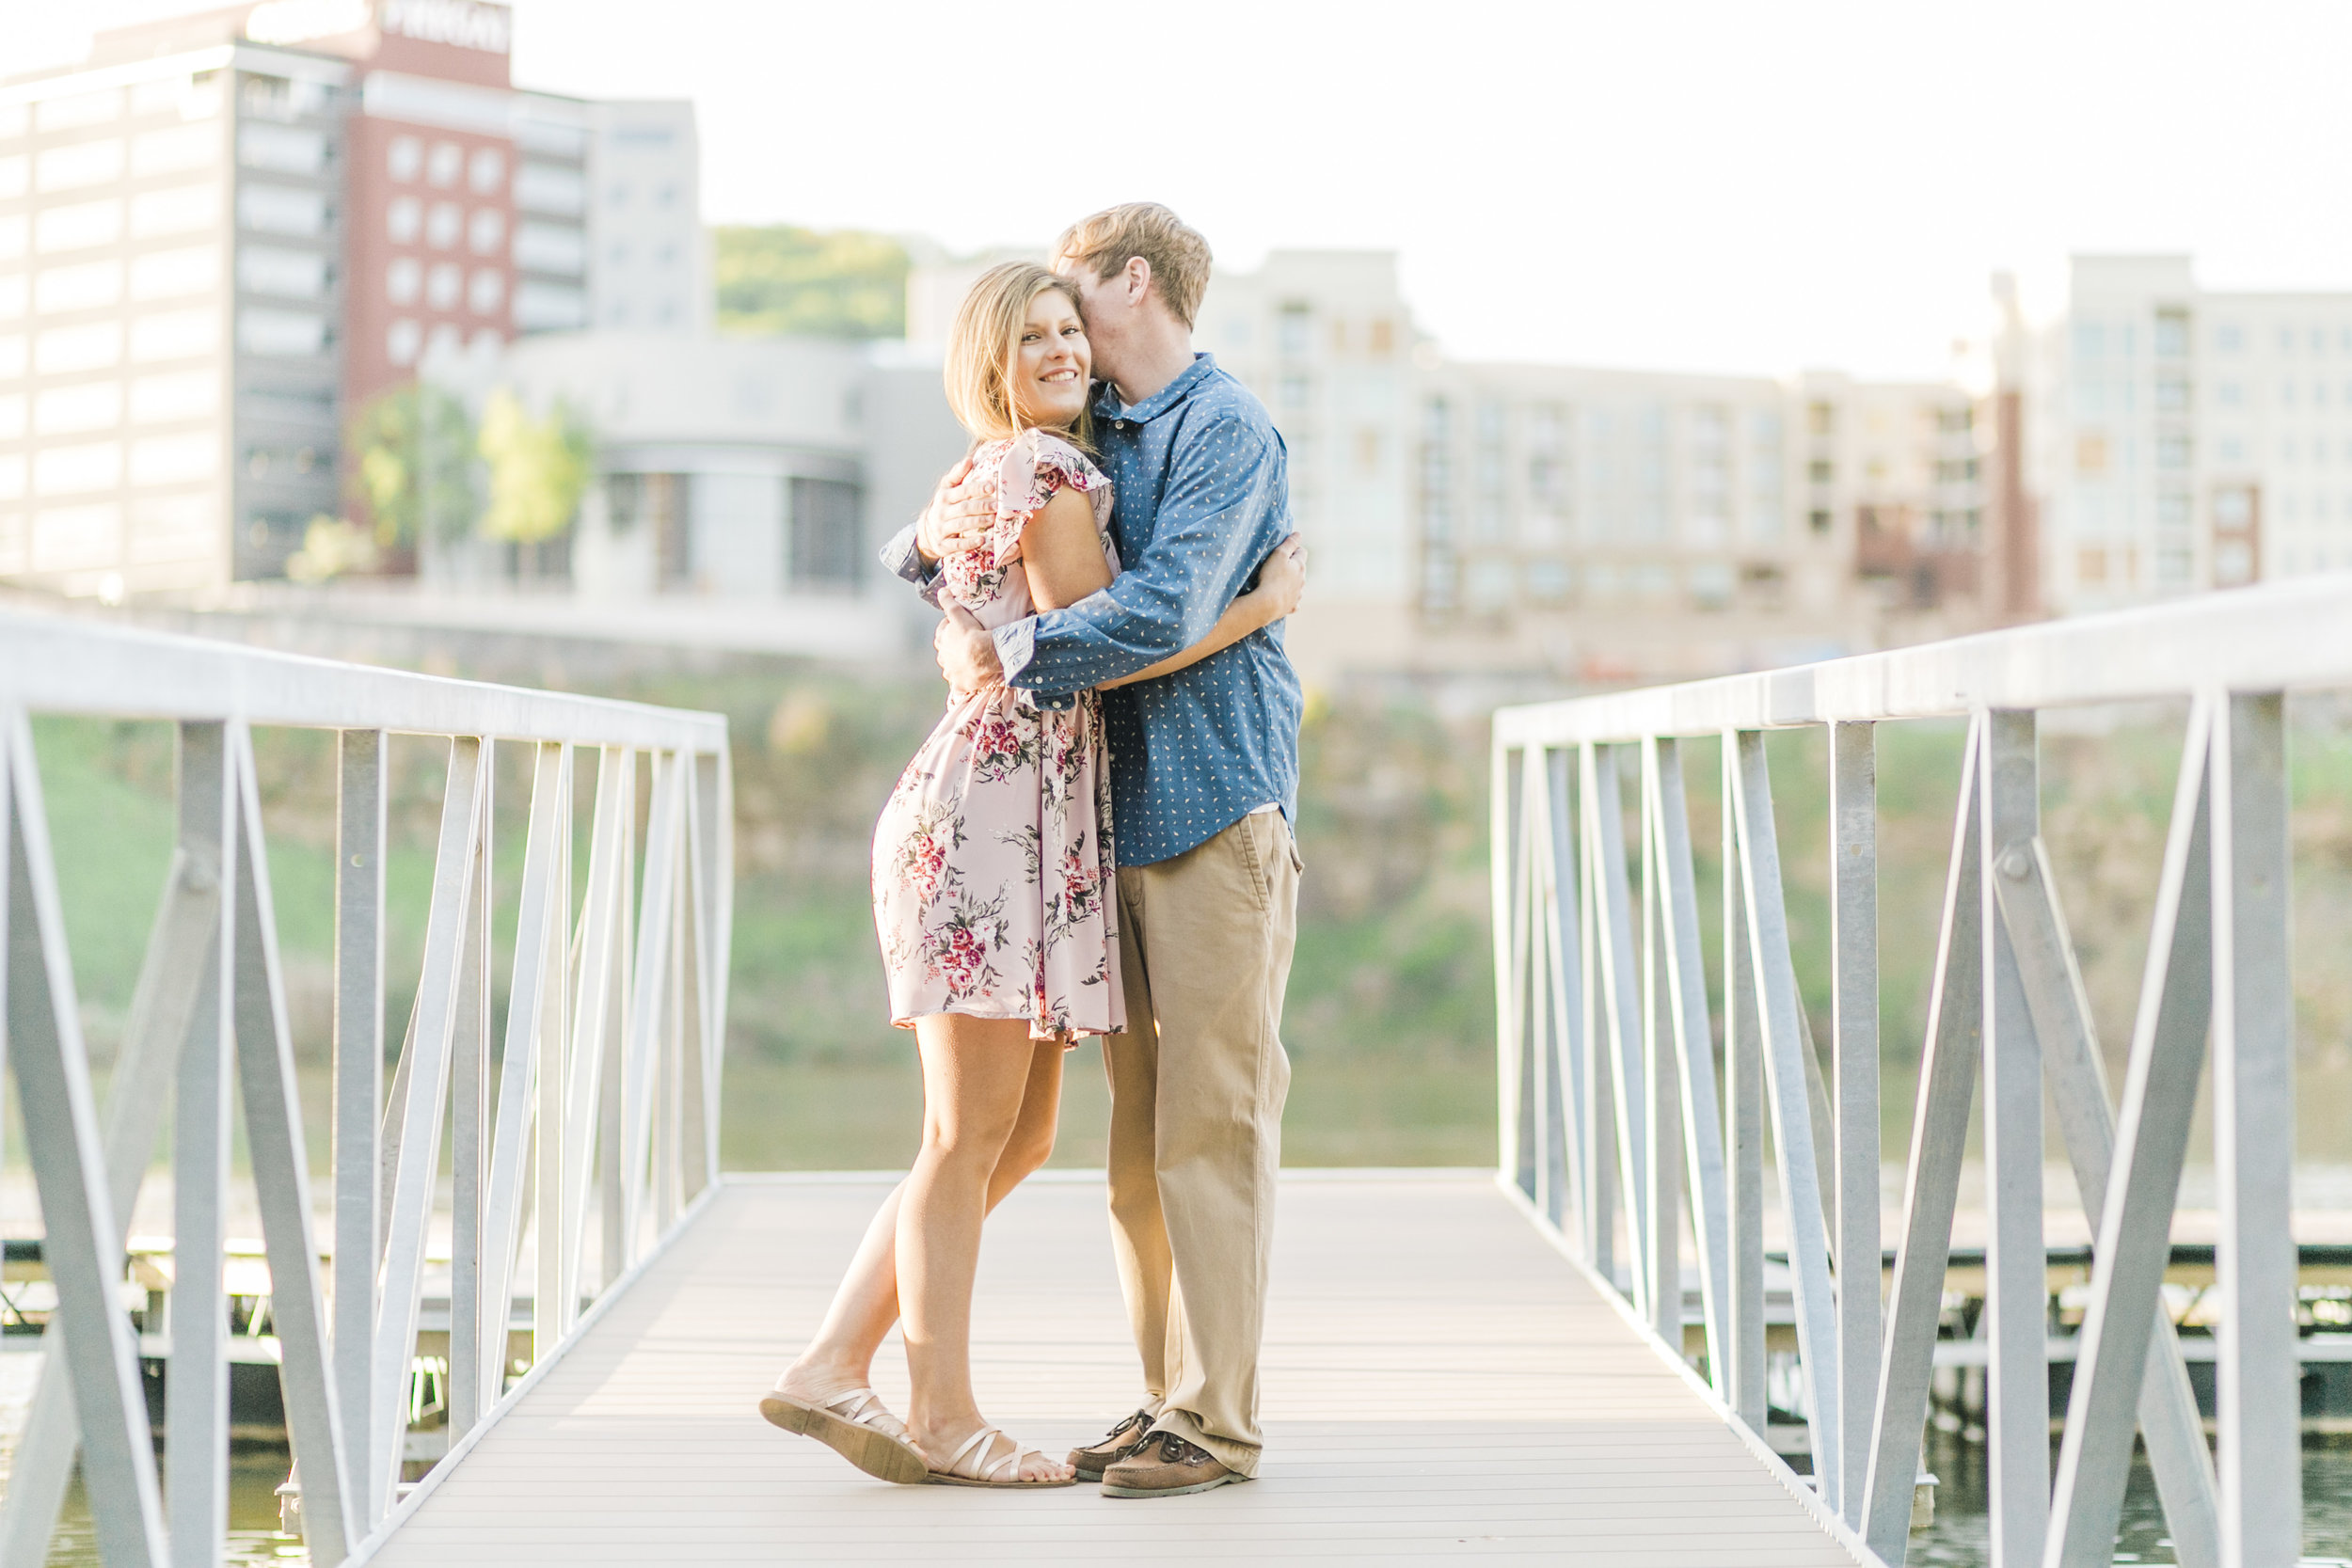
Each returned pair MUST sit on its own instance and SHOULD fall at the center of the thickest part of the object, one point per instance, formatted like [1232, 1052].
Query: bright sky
[1747, 187]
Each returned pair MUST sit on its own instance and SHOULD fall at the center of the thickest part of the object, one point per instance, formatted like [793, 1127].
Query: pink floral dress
[993, 868]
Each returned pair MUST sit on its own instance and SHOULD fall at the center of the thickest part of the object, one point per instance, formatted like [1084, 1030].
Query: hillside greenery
[776, 278]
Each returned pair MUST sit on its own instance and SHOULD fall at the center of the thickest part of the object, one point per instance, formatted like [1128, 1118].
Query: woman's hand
[1282, 582]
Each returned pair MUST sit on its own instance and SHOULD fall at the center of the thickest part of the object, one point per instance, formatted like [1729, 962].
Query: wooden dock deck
[1440, 1382]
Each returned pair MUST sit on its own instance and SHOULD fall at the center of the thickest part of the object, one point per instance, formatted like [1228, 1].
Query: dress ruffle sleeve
[1033, 465]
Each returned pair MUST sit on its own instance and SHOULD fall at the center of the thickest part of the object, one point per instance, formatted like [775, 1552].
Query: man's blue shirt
[1201, 496]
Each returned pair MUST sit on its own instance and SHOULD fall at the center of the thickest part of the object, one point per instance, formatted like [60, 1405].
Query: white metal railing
[1614, 1110]
[605, 1110]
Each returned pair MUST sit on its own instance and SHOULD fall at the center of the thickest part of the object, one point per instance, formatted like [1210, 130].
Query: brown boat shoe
[1165, 1465]
[1116, 1444]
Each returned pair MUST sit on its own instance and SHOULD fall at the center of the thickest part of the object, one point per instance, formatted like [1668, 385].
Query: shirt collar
[1107, 406]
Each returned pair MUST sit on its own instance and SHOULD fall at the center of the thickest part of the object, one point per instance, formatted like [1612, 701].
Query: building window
[442, 167]
[1711, 584]
[2091, 340]
[1547, 580]
[485, 231]
[1294, 391]
[1491, 419]
[1437, 419]
[486, 170]
[2171, 451]
[1383, 338]
[826, 551]
[1292, 332]
[1817, 519]
[404, 160]
[2171, 334]
[2091, 565]
[2229, 339]
[1820, 470]
[2171, 395]
[2090, 453]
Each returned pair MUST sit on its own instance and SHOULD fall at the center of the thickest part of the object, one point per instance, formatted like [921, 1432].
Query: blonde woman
[994, 895]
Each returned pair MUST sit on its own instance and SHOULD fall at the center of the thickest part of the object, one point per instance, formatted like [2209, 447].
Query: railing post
[1743, 1092]
[1854, 1049]
[468, 1132]
[361, 800]
[1662, 1075]
[1563, 953]
[195, 1431]
[2017, 1375]
[2253, 1024]
[1502, 849]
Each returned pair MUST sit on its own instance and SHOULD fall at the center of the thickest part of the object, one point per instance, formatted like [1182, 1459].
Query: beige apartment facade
[2188, 438]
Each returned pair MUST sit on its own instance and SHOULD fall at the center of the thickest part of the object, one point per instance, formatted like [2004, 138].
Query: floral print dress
[992, 870]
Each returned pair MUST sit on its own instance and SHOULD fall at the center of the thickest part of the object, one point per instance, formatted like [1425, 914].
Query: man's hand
[1282, 579]
[961, 508]
[967, 655]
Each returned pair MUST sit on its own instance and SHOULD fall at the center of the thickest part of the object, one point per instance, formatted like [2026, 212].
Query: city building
[1581, 522]
[2186, 438]
[743, 487]
[222, 235]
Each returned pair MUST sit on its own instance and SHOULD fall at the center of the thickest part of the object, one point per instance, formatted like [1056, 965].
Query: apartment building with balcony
[2188, 439]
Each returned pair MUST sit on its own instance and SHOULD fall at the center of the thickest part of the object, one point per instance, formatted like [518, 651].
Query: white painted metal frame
[1596, 1077]
[635, 970]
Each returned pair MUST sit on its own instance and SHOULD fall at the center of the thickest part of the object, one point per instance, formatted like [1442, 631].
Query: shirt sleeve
[905, 560]
[1220, 514]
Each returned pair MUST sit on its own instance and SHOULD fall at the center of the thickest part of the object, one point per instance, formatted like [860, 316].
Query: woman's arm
[1282, 582]
[1062, 554]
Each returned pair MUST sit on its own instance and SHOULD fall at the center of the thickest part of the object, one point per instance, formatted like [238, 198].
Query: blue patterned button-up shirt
[1201, 496]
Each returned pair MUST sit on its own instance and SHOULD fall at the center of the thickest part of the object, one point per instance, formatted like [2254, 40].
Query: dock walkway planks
[1438, 1384]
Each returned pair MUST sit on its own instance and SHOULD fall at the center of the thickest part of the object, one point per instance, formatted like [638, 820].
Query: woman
[994, 897]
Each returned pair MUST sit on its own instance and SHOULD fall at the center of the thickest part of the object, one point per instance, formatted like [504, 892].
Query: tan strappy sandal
[971, 1465]
[856, 1425]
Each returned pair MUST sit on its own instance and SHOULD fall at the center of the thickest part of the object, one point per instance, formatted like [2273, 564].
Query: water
[254, 1474]
[1959, 1538]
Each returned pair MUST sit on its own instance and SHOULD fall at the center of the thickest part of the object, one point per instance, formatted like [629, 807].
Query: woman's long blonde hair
[985, 343]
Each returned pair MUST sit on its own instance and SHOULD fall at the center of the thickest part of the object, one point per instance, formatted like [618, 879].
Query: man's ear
[1139, 281]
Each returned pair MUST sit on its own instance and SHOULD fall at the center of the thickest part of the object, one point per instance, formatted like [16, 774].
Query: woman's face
[1051, 363]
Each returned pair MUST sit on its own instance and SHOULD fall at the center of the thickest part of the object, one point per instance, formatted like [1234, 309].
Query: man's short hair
[1178, 256]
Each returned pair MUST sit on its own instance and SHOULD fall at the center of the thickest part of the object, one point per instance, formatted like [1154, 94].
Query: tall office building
[2188, 438]
[222, 235]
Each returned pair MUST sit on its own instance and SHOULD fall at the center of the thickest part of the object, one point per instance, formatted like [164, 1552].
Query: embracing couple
[1112, 557]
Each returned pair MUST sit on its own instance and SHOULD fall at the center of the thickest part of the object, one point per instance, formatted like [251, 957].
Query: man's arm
[1221, 514]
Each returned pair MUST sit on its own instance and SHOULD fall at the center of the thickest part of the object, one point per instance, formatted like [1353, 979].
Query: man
[1204, 782]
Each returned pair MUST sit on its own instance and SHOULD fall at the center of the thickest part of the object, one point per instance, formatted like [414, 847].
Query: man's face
[1100, 307]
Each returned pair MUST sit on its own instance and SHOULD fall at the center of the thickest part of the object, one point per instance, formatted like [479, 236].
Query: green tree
[538, 469]
[411, 475]
[779, 280]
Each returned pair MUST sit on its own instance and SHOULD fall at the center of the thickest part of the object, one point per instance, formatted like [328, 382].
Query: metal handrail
[1615, 1112]
[605, 1108]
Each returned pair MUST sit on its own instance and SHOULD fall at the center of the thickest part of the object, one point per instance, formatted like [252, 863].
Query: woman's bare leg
[841, 1356]
[975, 1075]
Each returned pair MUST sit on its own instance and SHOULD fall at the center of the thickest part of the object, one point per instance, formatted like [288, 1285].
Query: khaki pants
[1196, 1088]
